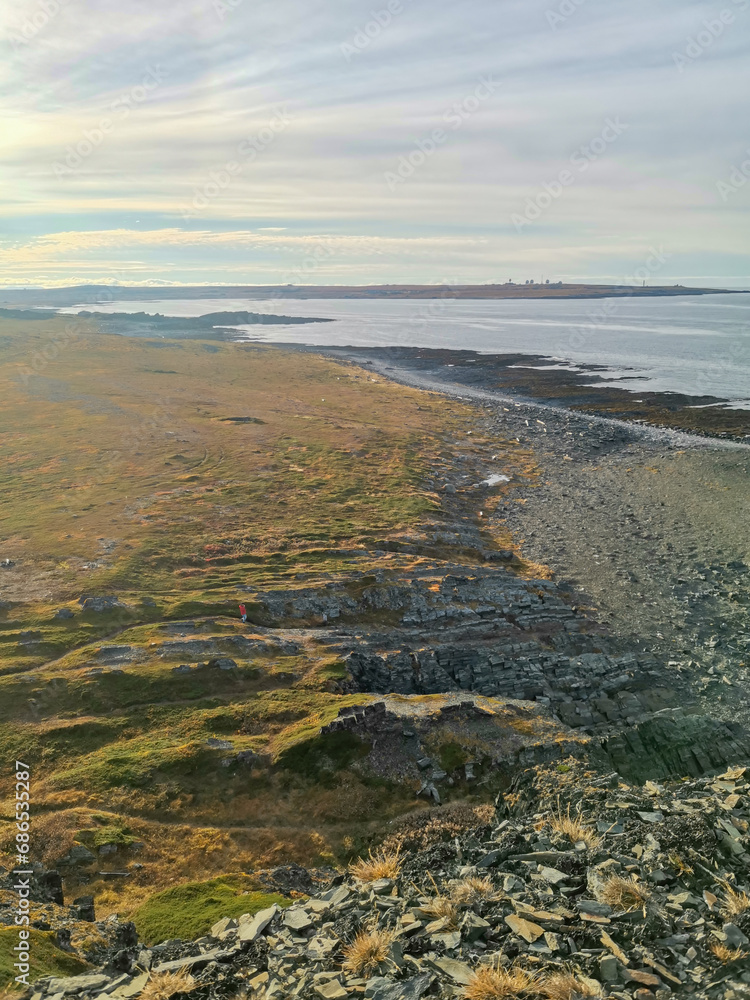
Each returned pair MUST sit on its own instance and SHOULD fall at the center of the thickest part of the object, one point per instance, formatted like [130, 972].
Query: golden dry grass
[431, 826]
[574, 828]
[735, 902]
[725, 954]
[163, 985]
[369, 948]
[442, 907]
[566, 984]
[381, 864]
[494, 983]
[473, 888]
[54, 835]
[140, 452]
[623, 893]
[680, 865]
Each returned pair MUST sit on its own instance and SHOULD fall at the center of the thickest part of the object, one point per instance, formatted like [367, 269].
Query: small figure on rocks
[243, 612]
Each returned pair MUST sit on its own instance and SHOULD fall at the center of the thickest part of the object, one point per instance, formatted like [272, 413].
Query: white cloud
[224, 78]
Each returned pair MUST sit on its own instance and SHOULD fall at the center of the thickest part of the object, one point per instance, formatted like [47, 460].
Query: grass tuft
[494, 983]
[623, 893]
[735, 902]
[163, 985]
[440, 907]
[473, 888]
[575, 829]
[680, 865]
[369, 948]
[565, 985]
[725, 954]
[381, 864]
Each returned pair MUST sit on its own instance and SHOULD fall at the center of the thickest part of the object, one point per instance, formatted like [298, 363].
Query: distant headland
[92, 294]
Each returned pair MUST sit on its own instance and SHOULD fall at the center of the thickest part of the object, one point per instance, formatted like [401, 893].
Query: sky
[311, 142]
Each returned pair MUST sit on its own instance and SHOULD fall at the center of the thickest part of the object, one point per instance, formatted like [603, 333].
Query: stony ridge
[644, 894]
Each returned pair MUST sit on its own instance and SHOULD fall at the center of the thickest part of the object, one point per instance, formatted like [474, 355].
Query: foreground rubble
[582, 884]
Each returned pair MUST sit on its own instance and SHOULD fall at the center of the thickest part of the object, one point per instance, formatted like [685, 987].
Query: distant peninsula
[81, 294]
[212, 326]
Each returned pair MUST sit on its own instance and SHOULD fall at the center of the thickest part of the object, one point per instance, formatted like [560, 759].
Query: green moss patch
[452, 756]
[46, 959]
[321, 758]
[109, 834]
[188, 911]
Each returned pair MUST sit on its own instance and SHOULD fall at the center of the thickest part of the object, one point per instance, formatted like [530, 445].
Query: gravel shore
[649, 526]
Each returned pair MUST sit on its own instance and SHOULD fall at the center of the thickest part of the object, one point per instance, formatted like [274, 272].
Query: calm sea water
[695, 345]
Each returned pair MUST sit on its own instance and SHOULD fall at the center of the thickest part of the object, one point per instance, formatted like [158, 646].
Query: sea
[698, 345]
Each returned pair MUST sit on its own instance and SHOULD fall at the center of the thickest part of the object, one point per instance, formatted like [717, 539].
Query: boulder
[78, 856]
[99, 604]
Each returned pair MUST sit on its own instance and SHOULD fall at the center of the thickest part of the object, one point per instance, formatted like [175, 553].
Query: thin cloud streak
[350, 120]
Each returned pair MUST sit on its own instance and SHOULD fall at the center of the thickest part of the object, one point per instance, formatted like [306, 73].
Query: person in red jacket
[243, 612]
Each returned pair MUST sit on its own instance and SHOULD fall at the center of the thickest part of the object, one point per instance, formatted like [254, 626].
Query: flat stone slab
[77, 984]
[196, 961]
[296, 919]
[459, 972]
[252, 927]
[524, 928]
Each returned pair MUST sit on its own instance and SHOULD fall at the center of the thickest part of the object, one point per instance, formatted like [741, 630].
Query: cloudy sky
[319, 141]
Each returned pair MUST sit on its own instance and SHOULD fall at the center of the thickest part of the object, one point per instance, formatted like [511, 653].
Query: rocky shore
[585, 388]
[646, 525]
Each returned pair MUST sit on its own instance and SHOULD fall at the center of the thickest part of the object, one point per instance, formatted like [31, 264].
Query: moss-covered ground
[181, 478]
[45, 958]
[190, 910]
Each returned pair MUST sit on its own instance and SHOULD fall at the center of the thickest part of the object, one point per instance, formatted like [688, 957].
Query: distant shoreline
[528, 379]
[98, 294]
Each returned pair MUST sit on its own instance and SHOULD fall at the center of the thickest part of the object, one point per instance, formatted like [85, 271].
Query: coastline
[446, 588]
[645, 524]
[73, 295]
[534, 380]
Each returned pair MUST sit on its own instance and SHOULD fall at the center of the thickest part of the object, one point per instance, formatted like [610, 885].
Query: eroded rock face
[673, 743]
[488, 632]
[585, 690]
[45, 885]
